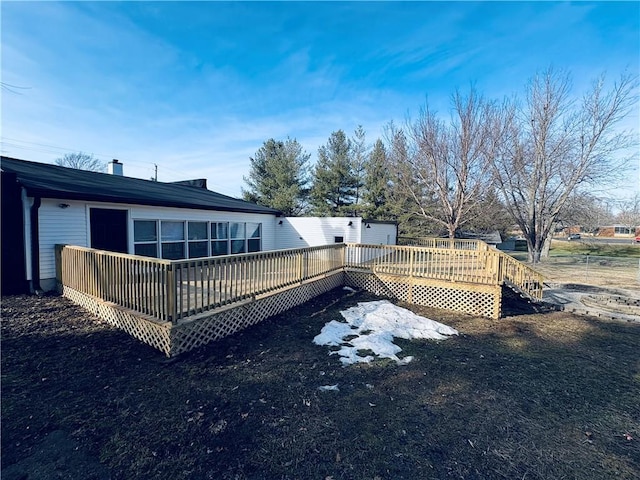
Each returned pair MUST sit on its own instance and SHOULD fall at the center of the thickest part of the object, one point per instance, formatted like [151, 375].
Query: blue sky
[196, 88]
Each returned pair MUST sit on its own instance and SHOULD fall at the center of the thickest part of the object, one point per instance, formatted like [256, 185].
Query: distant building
[617, 231]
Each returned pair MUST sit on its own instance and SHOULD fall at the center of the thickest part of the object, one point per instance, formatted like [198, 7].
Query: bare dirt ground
[533, 395]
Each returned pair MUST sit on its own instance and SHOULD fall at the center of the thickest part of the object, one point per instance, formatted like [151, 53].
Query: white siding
[71, 225]
[59, 225]
[296, 232]
[380, 234]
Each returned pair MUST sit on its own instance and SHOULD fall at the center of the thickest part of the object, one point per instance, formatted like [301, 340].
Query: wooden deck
[457, 275]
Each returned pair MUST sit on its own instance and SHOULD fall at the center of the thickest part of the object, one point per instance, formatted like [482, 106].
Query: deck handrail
[169, 290]
[173, 289]
[202, 284]
[132, 281]
[458, 256]
[448, 243]
[519, 275]
[457, 265]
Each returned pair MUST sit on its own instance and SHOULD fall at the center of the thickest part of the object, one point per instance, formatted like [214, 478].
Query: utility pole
[155, 177]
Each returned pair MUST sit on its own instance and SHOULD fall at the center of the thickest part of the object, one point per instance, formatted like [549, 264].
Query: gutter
[35, 246]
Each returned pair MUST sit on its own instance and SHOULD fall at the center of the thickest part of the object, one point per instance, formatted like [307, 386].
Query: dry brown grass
[600, 271]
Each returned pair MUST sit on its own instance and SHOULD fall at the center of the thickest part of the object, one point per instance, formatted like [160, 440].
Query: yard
[534, 395]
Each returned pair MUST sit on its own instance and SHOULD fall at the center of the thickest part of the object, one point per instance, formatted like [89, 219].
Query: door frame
[101, 206]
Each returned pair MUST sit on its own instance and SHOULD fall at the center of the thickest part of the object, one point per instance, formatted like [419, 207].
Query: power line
[44, 147]
[58, 150]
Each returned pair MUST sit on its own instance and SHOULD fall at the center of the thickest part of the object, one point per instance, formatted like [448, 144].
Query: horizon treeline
[534, 160]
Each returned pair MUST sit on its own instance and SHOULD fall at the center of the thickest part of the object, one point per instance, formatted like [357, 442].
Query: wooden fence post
[59, 280]
[171, 294]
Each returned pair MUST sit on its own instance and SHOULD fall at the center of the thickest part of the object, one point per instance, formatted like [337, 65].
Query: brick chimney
[115, 167]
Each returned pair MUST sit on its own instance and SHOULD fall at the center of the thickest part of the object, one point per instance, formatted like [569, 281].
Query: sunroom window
[254, 237]
[172, 239]
[237, 237]
[198, 240]
[145, 238]
[219, 238]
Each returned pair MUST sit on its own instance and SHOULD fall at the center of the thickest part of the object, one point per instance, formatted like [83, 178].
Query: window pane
[219, 231]
[237, 246]
[172, 231]
[146, 249]
[144, 231]
[173, 251]
[253, 229]
[254, 244]
[198, 231]
[219, 248]
[237, 230]
[197, 249]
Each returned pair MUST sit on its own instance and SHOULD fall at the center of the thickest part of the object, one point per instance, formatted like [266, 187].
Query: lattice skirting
[206, 327]
[147, 330]
[198, 330]
[481, 300]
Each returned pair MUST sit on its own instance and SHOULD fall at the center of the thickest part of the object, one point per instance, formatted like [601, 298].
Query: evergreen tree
[359, 157]
[334, 183]
[377, 185]
[279, 177]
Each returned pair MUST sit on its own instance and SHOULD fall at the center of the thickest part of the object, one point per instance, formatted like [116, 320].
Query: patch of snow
[327, 388]
[372, 326]
[348, 289]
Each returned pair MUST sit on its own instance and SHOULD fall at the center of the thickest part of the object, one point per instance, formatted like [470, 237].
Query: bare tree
[585, 210]
[81, 161]
[449, 161]
[403, 191]
[554, 144]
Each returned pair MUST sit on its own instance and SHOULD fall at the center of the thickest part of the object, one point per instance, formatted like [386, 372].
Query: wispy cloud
[197, 87]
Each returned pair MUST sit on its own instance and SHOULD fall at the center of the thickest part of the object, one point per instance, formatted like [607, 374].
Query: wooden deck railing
[448, 243]
[173, 289]
[472, 266]
[519, 275]
[479, 264]
[138, 283]
[203, 284]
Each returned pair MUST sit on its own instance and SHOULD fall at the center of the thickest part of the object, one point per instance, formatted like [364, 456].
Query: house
[44, 205]
[297, 232]
[617, 231]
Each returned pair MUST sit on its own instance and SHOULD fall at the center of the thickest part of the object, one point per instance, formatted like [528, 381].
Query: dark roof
[52, 181]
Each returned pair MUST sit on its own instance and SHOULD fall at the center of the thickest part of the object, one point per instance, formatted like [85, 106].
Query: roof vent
[115, 167]
[198, 182]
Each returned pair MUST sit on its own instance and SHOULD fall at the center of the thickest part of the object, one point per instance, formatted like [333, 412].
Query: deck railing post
[59, 279]
[301, 265]
[412, 258]
[171, 294]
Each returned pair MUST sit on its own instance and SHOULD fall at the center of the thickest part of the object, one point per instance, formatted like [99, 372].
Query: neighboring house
[44, 205]
[490, 238]
[621, 231]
